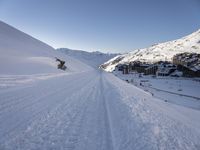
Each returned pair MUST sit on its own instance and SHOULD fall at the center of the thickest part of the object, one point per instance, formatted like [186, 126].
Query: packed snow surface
[158, 52]
[92, 110]
[82, 108]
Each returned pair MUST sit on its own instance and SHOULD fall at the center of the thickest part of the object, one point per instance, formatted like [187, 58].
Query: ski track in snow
[91, 111]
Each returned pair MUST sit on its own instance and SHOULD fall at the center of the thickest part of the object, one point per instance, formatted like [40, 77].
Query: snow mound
[158, 52]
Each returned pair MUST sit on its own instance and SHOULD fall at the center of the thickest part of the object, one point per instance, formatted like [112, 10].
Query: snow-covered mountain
[84, 108]
[23, 54]
[158, 52]
[93, 59]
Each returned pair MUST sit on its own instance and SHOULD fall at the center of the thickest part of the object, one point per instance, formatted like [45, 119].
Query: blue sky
[105, 25]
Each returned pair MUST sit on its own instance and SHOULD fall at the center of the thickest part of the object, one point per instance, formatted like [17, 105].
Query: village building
[122, 67]
[151, 70]
[125, 69]
[138, 66]
[119, 67]
[188, 63]
[165, 68]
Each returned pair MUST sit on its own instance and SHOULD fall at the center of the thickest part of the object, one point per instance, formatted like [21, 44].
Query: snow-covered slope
[23, 54]
[158, 52]
[93, 59]
[93, 110]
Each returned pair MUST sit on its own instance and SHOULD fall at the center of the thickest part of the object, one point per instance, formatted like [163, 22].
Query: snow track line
[41, 110]
[73, 137]
[107, 112]
[14, 100]
[36, 101]
[33, 83]
[77, 114]
[75, 124]
[39, 99]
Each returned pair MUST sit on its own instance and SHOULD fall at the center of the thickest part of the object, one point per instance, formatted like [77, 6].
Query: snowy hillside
[93, 59]
[163, 51]
[23, 54]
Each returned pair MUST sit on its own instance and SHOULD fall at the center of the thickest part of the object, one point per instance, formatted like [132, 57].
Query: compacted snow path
[92, 111]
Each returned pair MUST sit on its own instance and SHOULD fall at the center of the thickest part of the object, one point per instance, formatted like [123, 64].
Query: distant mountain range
[93, 59]
[158, 52]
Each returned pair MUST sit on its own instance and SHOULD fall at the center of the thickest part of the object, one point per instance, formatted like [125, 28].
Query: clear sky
[105, 25]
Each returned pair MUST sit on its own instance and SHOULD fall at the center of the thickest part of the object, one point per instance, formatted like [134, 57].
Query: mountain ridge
[158, 52]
